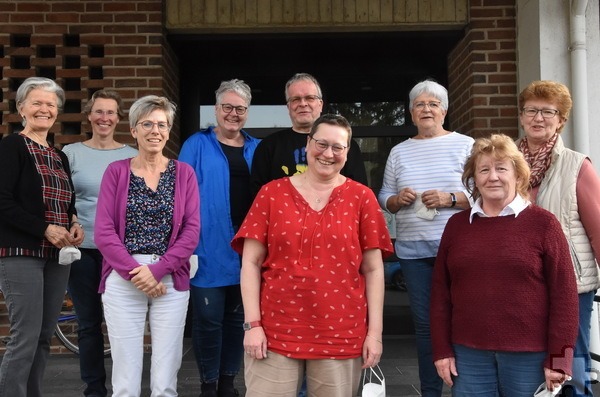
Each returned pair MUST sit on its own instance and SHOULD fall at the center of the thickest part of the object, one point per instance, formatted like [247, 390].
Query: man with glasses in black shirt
[283, 153]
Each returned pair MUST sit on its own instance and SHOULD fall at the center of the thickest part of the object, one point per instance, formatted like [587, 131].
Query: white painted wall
[543, 39]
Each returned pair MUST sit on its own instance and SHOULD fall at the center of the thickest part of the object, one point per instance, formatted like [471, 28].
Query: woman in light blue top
[422, 186]
[88, 161]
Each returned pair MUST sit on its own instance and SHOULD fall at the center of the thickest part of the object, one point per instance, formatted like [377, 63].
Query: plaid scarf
[539, 162]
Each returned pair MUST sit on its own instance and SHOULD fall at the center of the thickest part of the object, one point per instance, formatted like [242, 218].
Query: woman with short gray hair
[222, 157]
[37, 219]
[422, 187]
[147, 226]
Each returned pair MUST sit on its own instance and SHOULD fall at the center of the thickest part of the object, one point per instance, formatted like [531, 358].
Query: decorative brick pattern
[86, 46]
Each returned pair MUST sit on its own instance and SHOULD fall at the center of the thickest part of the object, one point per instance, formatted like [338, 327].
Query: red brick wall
[85, 46]
[482, 72]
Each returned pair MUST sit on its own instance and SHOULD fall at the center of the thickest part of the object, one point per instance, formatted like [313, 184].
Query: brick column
[482, 72]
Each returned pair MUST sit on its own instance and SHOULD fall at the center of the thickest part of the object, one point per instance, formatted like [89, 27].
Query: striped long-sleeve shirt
[424, 164]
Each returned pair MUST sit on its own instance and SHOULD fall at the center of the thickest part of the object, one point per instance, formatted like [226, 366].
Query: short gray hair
[149, 103]
[302, 77]
[432, 88]
[42, 83]
[237, 86]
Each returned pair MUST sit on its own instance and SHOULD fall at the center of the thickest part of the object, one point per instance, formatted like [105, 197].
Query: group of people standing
[497, 240]
[499, 245]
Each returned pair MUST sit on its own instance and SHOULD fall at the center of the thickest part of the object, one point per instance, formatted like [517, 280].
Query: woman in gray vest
[565, 183]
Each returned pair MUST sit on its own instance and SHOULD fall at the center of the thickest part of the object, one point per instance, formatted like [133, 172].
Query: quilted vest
[558, 195]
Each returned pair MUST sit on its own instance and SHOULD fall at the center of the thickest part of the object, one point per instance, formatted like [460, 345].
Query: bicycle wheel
[66, 331]
[66, 328]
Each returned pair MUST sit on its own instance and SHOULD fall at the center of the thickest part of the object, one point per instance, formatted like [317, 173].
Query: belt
[146, 259]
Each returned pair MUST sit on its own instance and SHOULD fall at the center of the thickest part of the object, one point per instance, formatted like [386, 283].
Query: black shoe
[226, 388]
[228, 392]
[209, 390]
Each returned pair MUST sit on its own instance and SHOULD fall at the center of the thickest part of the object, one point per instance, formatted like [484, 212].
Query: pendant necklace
[311, 191]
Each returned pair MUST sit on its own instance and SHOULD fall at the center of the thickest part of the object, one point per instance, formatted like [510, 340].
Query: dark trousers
[217, 331]
[34, 289]
[83, 286]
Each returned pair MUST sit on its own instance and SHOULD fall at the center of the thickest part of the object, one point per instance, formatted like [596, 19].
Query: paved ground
[399, 364]
[399, 361]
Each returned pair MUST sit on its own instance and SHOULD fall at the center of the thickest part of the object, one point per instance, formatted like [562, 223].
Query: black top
[22, 210]
[239, 184]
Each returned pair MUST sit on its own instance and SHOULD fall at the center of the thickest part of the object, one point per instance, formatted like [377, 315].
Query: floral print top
[150, 214]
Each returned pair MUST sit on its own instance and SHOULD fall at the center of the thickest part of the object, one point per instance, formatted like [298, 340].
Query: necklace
[36, 138]
[312, 192]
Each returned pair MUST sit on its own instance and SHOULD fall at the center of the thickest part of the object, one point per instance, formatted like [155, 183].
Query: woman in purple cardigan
[147, 226]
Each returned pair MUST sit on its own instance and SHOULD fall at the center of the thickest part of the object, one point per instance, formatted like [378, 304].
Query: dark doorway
[351, 67]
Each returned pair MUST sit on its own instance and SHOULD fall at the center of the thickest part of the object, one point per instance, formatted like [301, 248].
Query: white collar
[515, 207]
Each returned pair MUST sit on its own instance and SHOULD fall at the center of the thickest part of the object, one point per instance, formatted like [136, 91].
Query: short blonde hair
[500, 147]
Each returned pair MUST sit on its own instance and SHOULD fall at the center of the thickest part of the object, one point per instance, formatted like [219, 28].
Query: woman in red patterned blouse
[312, 275]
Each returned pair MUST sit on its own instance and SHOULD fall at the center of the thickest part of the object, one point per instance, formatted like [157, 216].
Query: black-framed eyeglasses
[546, 113]
[228, 108]
[149, 125]
[322, 146]
[310, 99]
[434, 105]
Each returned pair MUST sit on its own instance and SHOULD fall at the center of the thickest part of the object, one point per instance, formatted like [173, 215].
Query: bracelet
[372, 337]
[76, 223]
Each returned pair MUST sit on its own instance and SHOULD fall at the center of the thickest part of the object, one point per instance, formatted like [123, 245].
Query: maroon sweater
[506, 284]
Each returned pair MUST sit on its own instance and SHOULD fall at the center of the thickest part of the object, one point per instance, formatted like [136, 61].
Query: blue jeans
[34, 289]
[418, 274]
[83, 287]
[217, 333]
[485, 373]
[581, 384]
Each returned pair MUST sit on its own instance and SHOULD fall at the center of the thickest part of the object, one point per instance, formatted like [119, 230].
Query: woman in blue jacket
[221, 157]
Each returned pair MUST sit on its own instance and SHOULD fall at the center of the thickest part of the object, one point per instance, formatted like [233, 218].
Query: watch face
[246, 326]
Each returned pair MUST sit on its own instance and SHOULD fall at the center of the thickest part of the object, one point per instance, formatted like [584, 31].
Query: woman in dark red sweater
[502, 280]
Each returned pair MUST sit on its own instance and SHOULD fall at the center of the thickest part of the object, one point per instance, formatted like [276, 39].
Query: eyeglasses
[431, 105]
[322, 146]
[546, 113]
[228, 108]
[310, 99]
[101, 113]
[149, 125]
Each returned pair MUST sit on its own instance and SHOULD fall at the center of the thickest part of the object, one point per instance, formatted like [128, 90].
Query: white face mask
[422, 211]
[68, 255]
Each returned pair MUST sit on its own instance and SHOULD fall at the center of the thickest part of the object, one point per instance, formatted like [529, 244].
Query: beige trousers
[280, 376]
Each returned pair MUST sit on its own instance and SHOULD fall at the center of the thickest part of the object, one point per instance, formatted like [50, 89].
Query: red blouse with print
[313, 302]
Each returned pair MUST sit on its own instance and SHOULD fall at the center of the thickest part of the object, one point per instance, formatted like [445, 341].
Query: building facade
[483, 51]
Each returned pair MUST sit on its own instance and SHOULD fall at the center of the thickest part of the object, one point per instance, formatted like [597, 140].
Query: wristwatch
[250, 325]
[453, 197]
